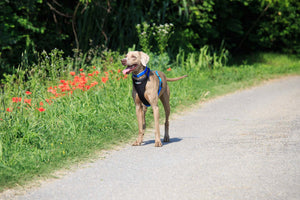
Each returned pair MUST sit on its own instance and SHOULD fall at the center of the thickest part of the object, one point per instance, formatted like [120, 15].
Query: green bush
[28, 27]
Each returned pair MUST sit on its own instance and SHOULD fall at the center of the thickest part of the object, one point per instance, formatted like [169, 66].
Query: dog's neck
[144, 71]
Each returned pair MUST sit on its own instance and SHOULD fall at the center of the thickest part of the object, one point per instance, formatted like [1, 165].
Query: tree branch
[59, 13]
[251, 28]
[73, 25]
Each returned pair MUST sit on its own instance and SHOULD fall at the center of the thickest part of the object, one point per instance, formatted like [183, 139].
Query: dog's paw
[166, 139]
[136, 143]
[158, 144]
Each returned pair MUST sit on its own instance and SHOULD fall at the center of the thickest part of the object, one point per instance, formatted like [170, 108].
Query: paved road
[241, 146]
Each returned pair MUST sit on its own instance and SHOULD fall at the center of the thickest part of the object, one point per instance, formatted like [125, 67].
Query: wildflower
[104, 79]
[94, 83]
[76, 79]
[169, 69]
[41, 109]
[16, 99]
[82, 74]
[81, 70]
[119, 70]
[87, 87]
[51, 90]
[89, 74]
[72, 73]
[9, 110]
[48, 101]
[64, 87]
[62, 81]
[28, 101]
[94, 67]
[28, 93]
[41, 103]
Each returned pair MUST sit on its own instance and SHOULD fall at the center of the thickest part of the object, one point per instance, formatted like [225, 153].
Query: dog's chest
[140, 86]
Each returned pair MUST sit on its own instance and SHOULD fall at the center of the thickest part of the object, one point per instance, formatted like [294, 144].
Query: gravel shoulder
[244, 145]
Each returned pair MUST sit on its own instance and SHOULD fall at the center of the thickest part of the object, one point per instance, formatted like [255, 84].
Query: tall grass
[62, 125]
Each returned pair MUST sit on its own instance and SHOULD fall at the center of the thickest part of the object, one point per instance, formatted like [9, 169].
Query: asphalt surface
[243, 146]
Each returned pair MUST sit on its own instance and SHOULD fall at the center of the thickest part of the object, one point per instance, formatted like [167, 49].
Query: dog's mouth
[129, 69]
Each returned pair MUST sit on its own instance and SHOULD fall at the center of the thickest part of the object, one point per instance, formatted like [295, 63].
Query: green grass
[75, 126]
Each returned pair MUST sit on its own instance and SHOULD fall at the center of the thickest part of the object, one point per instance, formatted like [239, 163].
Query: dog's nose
[124, 61]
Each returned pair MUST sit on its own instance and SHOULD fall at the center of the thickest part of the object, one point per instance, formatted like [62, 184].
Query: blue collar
[142, 73]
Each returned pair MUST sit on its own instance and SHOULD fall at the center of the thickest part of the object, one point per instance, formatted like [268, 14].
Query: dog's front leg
[156, 121]
[139, 115]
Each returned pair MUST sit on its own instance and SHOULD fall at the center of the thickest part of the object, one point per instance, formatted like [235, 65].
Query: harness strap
[140, 85]
[142, 73]
[160, 82]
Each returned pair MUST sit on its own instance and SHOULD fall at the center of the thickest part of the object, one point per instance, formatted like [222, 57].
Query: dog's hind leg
[144, 118]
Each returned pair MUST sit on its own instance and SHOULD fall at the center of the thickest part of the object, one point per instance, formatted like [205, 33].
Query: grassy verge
[48, 122]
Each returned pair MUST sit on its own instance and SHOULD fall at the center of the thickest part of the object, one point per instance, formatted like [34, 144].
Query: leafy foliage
[31, 26]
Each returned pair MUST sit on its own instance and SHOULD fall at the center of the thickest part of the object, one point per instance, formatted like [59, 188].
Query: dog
[148, 87]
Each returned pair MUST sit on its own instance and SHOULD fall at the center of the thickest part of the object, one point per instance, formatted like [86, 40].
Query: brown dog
[148, 87]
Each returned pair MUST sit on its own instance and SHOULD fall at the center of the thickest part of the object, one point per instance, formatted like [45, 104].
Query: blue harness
[140, 84]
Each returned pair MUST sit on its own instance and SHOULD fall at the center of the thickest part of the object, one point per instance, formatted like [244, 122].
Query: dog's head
[135, 61]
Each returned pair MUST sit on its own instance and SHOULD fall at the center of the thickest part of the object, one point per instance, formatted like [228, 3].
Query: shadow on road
[172, 140]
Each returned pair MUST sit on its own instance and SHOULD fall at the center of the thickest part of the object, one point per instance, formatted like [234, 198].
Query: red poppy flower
[81, 70]
[48, 101]
[94, 83]
[28, 93]
[28, 101]
[104, 79]
[169, 69]
[72, 73]
[16, 99]
[9, 110]
[41, 109]
[87, 87]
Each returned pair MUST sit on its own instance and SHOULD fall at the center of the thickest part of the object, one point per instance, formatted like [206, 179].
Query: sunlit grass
[49, 122]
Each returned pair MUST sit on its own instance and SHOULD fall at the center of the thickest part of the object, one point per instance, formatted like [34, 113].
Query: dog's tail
[176, 79]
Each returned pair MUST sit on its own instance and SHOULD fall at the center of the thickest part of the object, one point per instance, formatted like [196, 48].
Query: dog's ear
[144, 58]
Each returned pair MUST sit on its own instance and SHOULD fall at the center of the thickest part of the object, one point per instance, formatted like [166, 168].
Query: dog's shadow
[172, 140]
